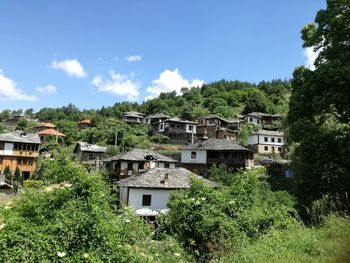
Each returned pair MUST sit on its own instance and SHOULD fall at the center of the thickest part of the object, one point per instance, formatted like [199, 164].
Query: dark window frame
[146, 200]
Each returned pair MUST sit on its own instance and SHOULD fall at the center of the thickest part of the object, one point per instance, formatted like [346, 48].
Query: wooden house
[90, 155]
[200, 156]
[19, 149]
[133, 117]
[178, 130]
[135, 162]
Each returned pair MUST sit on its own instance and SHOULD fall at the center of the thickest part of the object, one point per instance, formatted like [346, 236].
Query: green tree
[22, 125]
[319, 114]
[8, 173]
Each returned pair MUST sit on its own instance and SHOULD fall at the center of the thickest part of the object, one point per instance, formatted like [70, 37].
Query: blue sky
[95, 53]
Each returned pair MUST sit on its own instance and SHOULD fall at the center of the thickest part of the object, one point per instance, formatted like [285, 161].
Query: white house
[149, 192]
[266, 142]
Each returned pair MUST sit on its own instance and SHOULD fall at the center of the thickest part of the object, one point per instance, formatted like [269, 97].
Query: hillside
[223, 98]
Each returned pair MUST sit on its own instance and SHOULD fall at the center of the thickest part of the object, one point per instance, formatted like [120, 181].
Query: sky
[96, 53]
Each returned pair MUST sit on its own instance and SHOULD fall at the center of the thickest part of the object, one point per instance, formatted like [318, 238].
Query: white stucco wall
[188, 128]
[159, 199]
[254, 120]
[8, 148]
[162, 165]
[161, 127]
[123, 165]
[252, 139]
[201, 156]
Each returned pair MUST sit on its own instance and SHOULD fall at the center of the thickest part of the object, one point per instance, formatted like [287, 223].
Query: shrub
[33, 184]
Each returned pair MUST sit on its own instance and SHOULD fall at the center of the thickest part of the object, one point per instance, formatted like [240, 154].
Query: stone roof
[87, 147]
[268, 132]
[157, 115]
[164, 178]
[20, 137]
[141, 155]
[176, 119]
[133, 114]
[216, 144]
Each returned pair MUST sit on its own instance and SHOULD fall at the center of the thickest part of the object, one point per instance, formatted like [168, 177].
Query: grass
[329, 243]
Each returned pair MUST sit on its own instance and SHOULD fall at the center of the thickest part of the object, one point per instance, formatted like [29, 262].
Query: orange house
[19, 149]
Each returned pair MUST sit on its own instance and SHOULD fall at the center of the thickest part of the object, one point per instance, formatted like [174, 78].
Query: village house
[45, 135]
[133, 117]
[201, 156]
[178, 130]
[11, 123]
[19, 149]
[84, 124]
[43, 126]
[90, 155]
[266, 142]
[135, 162]
[215, 127]
[257, 118]
[148, 193]
[150, 119]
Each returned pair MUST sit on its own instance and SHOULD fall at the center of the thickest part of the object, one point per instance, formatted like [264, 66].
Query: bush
[33, 184]
[77, 222]
[210, 222]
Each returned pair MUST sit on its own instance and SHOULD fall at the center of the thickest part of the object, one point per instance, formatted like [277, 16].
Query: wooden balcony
[25, 154]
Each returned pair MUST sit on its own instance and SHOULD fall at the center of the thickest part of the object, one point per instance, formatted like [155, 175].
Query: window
[265, 139]
[251, 119]
[161, 126]
[193, 155]
[266, 148]
[272, 139]
[272, 149]
[129, 166]
[146, 200]
[166, 165]
[2, 146]
[92, 157]
[280, 149]
[190, 127]
[279, 140]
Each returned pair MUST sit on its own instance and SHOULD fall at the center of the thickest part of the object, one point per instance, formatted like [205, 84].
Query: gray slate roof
[157, 115]
[268, 132]
[178, 178]
[87, 147]
[216, 144]
[133, 114]
[141, 155]
[20, 137]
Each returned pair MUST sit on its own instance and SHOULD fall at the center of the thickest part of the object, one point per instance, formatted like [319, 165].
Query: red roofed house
[49, 132]
[43, 126]
[84, 123]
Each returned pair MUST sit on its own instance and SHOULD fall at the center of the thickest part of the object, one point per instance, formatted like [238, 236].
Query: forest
[74, 215]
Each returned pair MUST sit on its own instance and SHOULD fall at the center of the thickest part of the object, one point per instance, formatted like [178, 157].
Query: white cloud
[169, 81]
[10, 92]
[133, 58]
[310, 56]
[49, 89]
[120, 85]
[71, 66]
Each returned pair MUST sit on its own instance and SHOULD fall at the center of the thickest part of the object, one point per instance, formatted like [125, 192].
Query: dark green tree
[319, 109]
